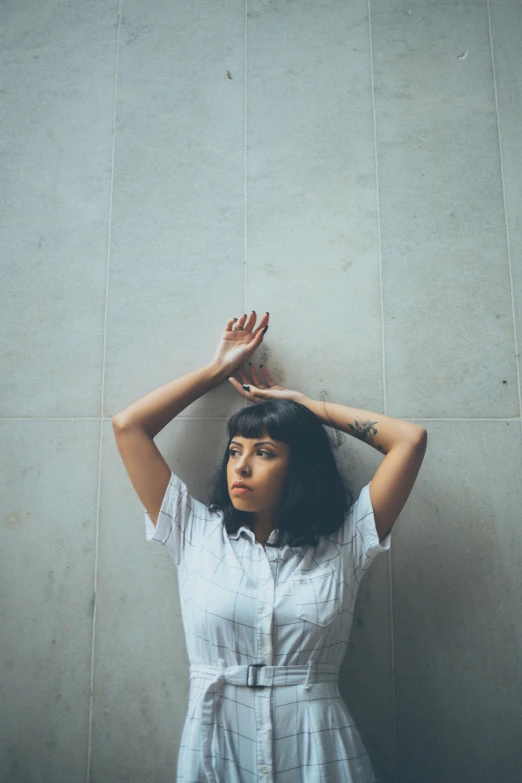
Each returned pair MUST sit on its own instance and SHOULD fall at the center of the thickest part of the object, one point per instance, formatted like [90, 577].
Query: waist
[261, 675]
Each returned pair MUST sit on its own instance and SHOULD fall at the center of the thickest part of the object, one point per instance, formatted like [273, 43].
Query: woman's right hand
[239, 341]
[263, 388]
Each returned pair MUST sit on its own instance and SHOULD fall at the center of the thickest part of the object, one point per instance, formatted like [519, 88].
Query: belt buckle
[255, 685]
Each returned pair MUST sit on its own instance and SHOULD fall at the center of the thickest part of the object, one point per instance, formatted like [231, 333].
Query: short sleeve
[360, 535]
[181, 520]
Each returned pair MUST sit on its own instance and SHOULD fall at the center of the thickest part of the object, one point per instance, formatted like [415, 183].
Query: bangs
[262, 418]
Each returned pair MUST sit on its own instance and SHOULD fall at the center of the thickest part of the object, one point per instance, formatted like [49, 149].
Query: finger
[230, 323]
[253, 391]
[260, 331]
[237, 386]
[250, 320]
[264, 320]
[267, 377]
[255, 377]
[244, 377]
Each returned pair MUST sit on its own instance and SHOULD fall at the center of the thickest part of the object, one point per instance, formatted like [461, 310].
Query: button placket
[266, 603]
[264, 744]
[262, 697]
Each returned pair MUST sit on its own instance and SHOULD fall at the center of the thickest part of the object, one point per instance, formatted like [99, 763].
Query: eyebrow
[259, 443]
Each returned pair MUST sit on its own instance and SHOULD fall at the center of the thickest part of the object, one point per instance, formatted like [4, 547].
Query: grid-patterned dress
[246, 604]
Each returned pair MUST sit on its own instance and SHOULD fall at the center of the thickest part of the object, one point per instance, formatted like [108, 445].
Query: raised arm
[403, 442]
[136, 426]
[380, 431]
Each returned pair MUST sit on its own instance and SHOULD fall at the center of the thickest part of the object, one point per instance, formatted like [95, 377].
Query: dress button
[263, 768]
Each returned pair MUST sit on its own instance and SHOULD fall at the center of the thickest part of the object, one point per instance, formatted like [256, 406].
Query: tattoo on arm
[365, 430]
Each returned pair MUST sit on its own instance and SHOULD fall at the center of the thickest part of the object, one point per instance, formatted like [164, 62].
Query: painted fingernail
[245, 387]
[267, 312]
[264, 330]
[249, 364]
[261, 365]
[254, 312]
[234, 319]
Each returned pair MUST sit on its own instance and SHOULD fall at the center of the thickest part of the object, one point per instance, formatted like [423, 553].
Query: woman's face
[262, 464]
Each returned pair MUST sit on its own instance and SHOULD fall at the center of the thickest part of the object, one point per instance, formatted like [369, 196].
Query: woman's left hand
[264, 388]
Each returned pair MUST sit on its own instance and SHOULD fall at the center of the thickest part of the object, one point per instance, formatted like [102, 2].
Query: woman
[268, 574]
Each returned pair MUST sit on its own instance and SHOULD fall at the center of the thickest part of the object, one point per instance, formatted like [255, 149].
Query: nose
[241, 467]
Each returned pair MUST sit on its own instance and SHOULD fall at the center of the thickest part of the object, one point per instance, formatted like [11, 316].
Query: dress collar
[250, 534]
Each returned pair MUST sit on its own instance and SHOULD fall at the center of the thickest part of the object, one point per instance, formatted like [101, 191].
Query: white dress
[243, 604]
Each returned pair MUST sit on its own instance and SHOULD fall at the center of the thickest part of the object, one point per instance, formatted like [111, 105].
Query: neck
[262, 526]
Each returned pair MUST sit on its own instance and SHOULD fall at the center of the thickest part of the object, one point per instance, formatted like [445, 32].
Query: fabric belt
[254, 675]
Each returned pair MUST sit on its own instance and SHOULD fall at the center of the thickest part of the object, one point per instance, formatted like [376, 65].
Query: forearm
[381, 432]
[154, 411]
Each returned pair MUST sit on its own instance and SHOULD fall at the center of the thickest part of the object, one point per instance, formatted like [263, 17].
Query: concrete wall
[355, 169]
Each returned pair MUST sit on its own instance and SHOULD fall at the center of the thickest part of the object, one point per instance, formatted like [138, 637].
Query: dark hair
[315, 496]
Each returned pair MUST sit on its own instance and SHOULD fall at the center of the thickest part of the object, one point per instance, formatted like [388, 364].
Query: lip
[241, 490]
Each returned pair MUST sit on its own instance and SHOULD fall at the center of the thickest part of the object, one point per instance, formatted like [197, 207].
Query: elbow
[117, 422]
[423, 437]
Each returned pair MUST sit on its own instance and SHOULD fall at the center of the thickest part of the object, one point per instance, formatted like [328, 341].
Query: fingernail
[234, 319]
[261, 365]
[264, 330]
[245, 387]
[249, 364]
[254, 312]
[267, 312]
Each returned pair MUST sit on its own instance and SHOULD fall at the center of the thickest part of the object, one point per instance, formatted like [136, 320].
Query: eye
[233, 451]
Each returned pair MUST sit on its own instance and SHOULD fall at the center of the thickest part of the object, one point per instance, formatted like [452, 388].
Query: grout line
[385, 406]
[245, 161]
[102, 418]
[225, 418]
[517, 362]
